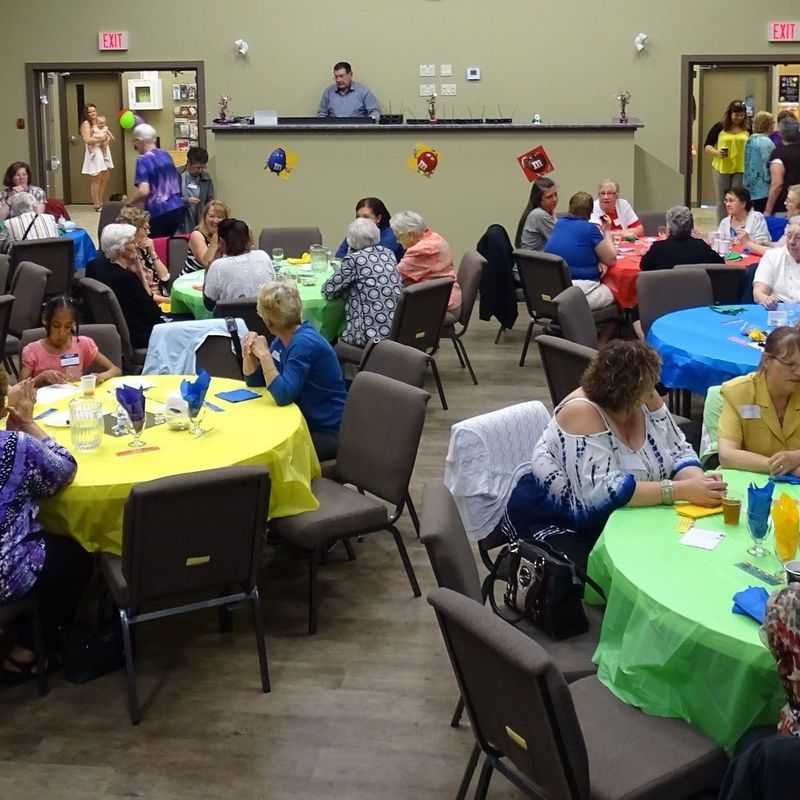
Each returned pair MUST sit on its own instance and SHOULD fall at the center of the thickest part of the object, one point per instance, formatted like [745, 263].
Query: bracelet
[666, 493]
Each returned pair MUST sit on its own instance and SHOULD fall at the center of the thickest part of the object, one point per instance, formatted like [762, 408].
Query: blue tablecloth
[701, 348]
[83, 246]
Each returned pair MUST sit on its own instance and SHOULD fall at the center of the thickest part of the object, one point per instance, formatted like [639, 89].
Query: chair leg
[348, 546]
[11, 366]
[39, 651]
[313, 591]
[469, 772]
[527, 343]
[454, 340]
[225, 620]
[258, 624]
[466, 359]
[457, 714]
[483, 781]
[438, 380]
[412, 577]
[133, 697]
[499, 334]
[412, 512]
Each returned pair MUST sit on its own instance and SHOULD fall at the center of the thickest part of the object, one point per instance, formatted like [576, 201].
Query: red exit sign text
[784, 31]
[112, 40]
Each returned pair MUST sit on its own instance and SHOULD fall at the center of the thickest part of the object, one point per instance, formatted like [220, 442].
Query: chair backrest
[543, 276]
[395, 360]
[176, 255]
[666, 290]
[652, 221]
[6, 307]
[726, 282]
[27, 286]
[470, 271]
[56, 254]
[776, 226]
[194, 533]
[420, 313]
[379, 435]
[5, 272]
[575, 317]
[104, 309]
[564, 363]
[517, 700]
[105, 337]
[446, 541]
[293, 241]
[246, 310]
[216, 356]
[108, 213]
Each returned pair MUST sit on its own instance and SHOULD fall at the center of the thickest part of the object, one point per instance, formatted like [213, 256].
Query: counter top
[569, 127]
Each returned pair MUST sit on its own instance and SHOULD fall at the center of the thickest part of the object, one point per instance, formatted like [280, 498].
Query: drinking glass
[137, 426]
[86, 423]
[759, 534]
[319, 258]
[277, 256]
[195, 415]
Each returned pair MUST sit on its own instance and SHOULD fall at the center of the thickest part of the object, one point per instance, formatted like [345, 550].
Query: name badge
[632, 463]
[750, 412]
[276, 356]
[70, 360]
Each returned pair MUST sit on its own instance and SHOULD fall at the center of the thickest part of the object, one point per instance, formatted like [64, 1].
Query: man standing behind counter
[346, 97]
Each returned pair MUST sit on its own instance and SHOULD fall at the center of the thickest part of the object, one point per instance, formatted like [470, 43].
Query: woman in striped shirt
[204, 241]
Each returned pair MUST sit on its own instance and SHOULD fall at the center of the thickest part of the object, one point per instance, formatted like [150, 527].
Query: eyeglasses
[790, 365]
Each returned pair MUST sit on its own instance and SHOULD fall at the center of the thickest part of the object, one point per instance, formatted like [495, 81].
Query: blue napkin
[759, 504]
[786, 479]
[751, 602]
[194, 392]
[132, 400]
[238, 395]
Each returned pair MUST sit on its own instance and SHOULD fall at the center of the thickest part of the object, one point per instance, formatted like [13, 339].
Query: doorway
[78, 90]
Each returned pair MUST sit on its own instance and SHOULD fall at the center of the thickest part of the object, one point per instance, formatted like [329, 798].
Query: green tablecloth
[327, 316]
[669, 642]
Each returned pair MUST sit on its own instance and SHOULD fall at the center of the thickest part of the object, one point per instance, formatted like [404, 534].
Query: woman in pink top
[63, 356]
[427, 254]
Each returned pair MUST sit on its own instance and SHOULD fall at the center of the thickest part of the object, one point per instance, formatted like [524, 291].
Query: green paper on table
[629, 238]
[733, 256]
[727, 309]
[237, 395]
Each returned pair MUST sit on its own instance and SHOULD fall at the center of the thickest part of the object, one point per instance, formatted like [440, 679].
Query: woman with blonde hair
[155, 271]
[204, 240]
[757, 151]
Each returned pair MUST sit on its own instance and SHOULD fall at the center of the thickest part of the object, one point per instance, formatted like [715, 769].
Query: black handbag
[543, 586]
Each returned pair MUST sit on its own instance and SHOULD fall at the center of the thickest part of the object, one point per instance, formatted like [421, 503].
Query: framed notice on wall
[789, 89]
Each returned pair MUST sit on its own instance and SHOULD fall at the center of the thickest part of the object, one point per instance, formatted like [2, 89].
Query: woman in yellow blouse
[759, 429]
[726, 142]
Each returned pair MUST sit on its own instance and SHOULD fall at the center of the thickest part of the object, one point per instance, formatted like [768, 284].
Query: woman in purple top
[158, 185]
[33, 466]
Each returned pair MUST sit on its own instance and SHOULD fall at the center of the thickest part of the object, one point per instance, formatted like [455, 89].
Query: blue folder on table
[237, 395]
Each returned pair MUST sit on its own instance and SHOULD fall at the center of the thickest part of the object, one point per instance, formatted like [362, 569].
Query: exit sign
[112, 40]
[784, 31]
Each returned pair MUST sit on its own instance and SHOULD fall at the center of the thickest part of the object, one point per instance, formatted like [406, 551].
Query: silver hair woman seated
[680, 247]
[369, 280]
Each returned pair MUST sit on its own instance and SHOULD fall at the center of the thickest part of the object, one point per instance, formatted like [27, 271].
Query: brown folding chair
[663, 291]
[175, 560]
[176, 255]
[108, 213]
[727, 282]
[246, 310]
[28, 606]
[293, 241]
[27, 286]
[105, 337]
[575, 317]
[56, 254]
[218, 358]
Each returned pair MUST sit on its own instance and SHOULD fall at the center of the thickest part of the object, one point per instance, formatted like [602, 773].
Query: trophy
[224, 103]
[623, 98]
[432, 107]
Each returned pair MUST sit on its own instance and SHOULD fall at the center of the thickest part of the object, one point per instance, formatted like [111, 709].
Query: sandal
[16, 672]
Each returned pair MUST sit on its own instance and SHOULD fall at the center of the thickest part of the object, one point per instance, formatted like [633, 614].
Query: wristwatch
[666, 492]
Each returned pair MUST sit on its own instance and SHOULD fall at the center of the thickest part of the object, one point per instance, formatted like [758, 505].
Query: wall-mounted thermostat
[473, 73]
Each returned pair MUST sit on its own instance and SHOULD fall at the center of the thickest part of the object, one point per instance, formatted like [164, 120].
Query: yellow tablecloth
[253, 432]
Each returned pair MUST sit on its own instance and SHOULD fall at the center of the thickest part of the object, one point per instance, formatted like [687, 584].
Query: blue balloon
[276, 162]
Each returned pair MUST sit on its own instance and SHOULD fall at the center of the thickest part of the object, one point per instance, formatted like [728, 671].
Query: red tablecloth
[621, 278]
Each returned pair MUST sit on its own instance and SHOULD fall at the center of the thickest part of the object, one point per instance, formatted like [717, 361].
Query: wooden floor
[361, 710]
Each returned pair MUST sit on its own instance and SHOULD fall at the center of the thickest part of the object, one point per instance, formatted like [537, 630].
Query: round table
[669, 643]
[700, 348]
[249, 433]
[327, 316]
[83, 246]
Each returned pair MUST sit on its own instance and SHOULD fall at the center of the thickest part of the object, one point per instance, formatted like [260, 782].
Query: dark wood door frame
[34, 69]
[688, 64]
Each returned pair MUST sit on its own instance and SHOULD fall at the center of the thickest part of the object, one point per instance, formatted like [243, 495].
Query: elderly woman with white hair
[119, 267]
[777, 278]
[613, 213]
[299, 367]
[427, 255]
[158, 185]
[26, 222]
[680, 247]
[369, 279]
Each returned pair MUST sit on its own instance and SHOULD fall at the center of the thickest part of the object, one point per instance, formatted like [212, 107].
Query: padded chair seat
[606, 314]
[112, 572]
[349, 353]
[12, 345]
[667, 749]
[139, 355]
[450, 320]
[341, 511]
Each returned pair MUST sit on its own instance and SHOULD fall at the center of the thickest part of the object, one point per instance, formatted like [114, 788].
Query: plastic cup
[731, 509]
[792, 571]
[88, 384]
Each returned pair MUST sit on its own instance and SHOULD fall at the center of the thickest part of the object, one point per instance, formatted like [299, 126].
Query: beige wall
[562, 60]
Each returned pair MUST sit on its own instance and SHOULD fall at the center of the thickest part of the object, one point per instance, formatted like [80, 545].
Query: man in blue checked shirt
[346, 97]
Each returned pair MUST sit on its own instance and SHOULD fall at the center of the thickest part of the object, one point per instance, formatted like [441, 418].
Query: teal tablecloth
[327, 316]
[669, 642]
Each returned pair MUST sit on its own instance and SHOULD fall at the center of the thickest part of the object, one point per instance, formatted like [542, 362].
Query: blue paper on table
[759, 504]
[786, 479]
[131, 398]
[194, 392]
[751, 602]
[238, 395]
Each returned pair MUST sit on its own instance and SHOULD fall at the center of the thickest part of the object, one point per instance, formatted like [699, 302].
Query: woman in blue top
[300, 366]
[756, 159]
[587, 250]
[373, 209]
